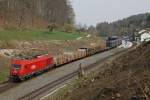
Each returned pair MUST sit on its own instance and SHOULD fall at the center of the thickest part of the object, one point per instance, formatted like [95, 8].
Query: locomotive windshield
[16, 66]
[112, 38]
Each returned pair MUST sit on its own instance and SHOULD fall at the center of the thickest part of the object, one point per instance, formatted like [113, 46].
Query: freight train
[24, 68]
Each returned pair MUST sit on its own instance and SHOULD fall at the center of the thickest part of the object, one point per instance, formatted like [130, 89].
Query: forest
[126, 26]
[35, 13]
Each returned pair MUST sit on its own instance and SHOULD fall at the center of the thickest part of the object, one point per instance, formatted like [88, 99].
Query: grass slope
[37, 34]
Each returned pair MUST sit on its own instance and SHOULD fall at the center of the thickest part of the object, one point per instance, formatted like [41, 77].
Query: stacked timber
[67, 57]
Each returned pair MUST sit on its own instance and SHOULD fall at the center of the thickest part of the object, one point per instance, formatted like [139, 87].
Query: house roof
[143, 31]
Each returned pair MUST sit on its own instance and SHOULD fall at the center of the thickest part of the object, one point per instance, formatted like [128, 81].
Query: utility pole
[81, 71]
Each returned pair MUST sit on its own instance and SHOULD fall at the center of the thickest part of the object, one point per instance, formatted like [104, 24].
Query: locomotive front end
[15, 70]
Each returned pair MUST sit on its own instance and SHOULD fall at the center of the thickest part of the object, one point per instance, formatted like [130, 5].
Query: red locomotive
[24, 68]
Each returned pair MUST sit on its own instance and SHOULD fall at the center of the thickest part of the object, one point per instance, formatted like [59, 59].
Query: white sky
[91, 12]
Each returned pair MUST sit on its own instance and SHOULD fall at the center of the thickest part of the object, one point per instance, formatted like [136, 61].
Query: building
[143, 36]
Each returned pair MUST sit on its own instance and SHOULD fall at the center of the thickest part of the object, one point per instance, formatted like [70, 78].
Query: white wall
[145, 37]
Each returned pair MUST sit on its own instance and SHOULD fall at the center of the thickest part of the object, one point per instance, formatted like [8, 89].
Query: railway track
[47, 87]
[44, 89]
[7, 85]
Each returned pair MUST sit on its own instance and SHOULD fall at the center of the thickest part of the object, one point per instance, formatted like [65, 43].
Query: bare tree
[35, 13]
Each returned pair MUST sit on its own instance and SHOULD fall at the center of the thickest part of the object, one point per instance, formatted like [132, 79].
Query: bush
[68, 28]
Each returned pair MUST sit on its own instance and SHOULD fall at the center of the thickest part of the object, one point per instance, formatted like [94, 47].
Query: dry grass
[4, 68]
[126, 78]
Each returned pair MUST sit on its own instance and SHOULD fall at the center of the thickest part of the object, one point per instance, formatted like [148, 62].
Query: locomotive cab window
[16, 66]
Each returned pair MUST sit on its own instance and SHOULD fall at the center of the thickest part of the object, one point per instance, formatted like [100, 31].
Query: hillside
[125, 78]
[127, 25]
[37, 34]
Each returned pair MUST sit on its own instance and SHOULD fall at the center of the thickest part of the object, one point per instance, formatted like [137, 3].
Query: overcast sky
[92, 11]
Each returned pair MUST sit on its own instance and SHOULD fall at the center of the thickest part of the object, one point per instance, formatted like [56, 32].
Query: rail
[45, 88]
